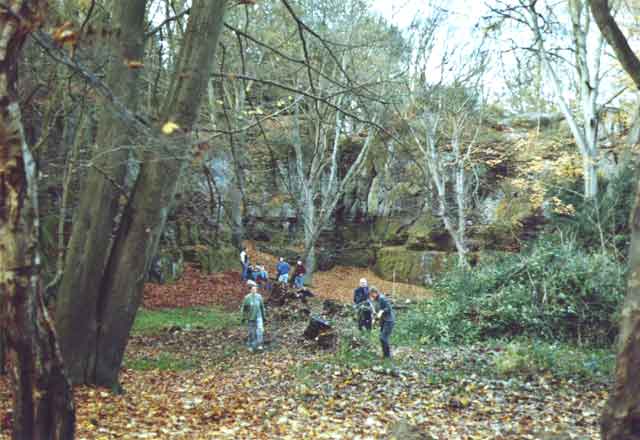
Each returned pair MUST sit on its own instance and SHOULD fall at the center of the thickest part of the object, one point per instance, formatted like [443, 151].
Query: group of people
[372, 307]
[259, 274]
[256, 272]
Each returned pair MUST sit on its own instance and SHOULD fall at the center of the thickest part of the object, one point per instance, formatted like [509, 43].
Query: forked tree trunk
[77, 308]
[43, 399]
[145, 215]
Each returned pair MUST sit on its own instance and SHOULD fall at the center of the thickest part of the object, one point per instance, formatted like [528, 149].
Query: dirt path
[339, 282]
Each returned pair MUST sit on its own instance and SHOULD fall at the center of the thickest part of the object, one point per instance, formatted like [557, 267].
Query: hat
[251, 283]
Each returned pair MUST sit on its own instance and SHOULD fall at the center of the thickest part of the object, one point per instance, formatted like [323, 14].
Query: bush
[604, 221]
[553, 291]
[534, 358]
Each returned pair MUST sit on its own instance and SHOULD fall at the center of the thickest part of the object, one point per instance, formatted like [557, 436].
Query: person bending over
[384, 313]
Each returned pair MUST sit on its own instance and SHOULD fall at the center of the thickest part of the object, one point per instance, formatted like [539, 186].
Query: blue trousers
[256, 333]
[298, 281]
[245, 270]
[385, 333]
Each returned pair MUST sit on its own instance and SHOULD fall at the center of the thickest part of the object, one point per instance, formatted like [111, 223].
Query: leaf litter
[293, 390]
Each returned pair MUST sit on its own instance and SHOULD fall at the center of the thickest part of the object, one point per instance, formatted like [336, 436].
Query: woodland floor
[199, 382]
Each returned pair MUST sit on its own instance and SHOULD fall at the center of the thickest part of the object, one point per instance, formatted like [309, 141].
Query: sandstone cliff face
[386, 219]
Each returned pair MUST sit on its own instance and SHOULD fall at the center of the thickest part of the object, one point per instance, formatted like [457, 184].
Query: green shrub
[603, 221]
[553, 291]
[539, 358]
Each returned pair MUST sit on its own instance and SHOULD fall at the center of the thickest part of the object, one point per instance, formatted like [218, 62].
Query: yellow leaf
[169, 127]
[64, 34]
[134, 64]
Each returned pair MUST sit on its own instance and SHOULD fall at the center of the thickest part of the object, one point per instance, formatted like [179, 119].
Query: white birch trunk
[588, 80]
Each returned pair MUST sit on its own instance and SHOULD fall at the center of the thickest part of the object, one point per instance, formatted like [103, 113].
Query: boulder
[415, 267]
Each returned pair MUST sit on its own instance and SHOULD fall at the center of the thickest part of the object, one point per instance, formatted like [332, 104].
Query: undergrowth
[530, 357]
[554, 292]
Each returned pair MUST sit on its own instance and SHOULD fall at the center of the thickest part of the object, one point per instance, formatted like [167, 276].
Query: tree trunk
[3, 352]
[144, 217]
[621, 417]
[77, 308]
[235, 214]
[310, 262]
[43, 399]
[589, 169]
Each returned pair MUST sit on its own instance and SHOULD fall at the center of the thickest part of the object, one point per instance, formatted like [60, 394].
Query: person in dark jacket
[298, 275]
[155, 271]
[384, 313]
[361, 301]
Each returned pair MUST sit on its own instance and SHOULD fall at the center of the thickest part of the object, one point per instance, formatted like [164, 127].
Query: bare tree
[441, 112]
[584, 72]
[436, 131]
[319, 180]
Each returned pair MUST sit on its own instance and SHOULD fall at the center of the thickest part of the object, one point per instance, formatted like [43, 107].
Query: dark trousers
[385, 333]
[364, 320]
[156, 275]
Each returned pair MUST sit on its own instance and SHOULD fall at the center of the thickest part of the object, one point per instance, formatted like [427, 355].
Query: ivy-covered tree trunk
[145, 215]
[43, 399]
[77, 307]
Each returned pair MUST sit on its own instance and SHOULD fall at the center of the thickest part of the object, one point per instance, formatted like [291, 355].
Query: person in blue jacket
[384, 313]
[361, 302]
[282, 271]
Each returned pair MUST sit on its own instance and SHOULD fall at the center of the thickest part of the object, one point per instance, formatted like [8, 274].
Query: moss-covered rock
[212, 258]
[416, 267]
[427, 234]
[358, 256]
[390, 231]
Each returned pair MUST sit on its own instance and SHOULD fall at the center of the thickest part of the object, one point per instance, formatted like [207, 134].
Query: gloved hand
[380, 313]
